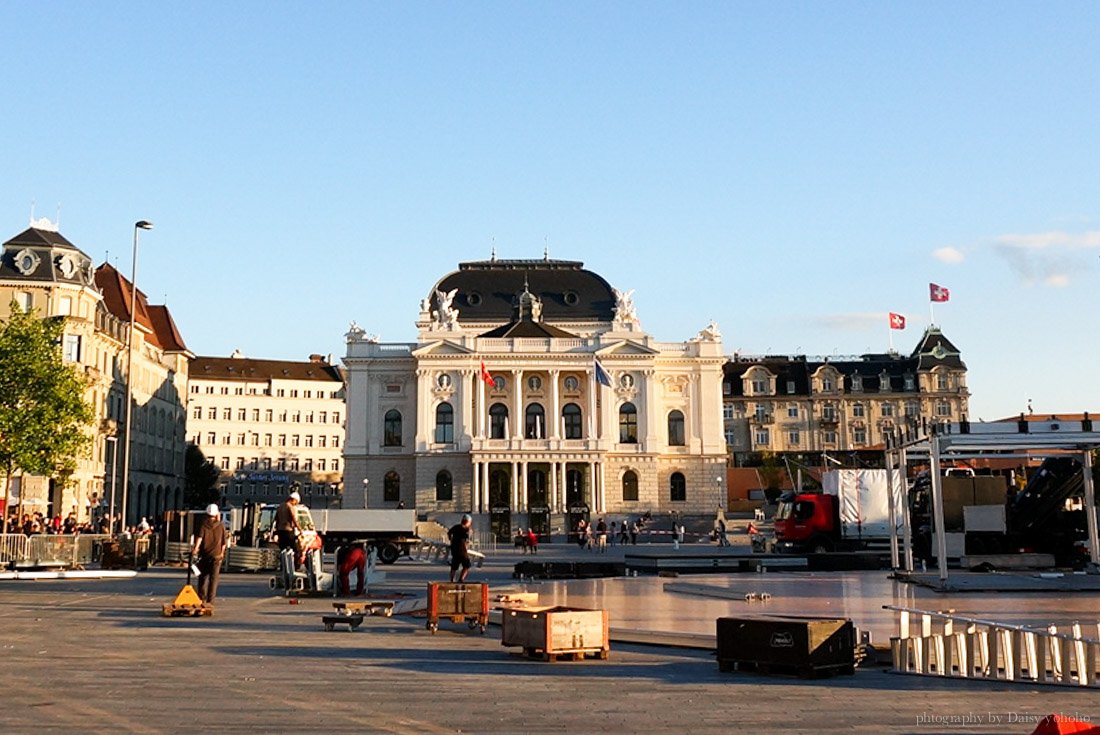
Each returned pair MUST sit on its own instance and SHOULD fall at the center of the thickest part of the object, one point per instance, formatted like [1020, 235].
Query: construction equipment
[187, 603]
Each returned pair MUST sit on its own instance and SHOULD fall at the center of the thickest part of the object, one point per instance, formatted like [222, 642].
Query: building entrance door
[538, 506]
[576, 500]
[500, 508]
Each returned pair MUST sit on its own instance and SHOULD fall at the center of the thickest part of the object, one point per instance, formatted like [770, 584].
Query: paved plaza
[96, 656]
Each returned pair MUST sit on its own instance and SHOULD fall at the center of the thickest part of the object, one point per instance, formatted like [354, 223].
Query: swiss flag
[897, 321]
[938, 293]
[485, 376]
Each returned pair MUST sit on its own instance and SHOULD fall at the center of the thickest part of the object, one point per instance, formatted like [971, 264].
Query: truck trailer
[850, 513]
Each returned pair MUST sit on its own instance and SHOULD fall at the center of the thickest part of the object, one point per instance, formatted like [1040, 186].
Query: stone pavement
[98, 657]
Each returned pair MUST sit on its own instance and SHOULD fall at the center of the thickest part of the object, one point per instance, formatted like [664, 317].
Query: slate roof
[488, 289]
[871, 368]
[45, 244]
[247, 368]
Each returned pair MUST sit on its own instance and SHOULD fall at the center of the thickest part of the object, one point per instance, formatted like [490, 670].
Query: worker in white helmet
[208, 549]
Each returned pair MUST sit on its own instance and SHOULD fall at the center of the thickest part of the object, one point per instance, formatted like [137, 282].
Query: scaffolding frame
[987, 440]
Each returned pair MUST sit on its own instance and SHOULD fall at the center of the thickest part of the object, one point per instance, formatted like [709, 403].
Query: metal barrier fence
[58, 550]
[961, 647]
[14, 547]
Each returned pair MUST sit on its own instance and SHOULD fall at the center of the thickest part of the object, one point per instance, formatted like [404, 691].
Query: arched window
[444, 424]
[391, 487]
[391, 429]
[677, 488]
[628, 424]
[630, 485]
[675, 429]
[534, 422]
[444, 489]
[498, 421]
[571, 421]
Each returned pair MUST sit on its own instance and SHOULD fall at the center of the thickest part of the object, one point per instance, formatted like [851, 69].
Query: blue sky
[794, 171]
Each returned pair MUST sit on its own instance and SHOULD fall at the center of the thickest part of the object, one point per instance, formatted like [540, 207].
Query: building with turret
[41, 270]
[795, 404]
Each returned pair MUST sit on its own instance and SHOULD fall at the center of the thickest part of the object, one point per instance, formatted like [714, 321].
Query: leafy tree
[44, 418]
[201, 488]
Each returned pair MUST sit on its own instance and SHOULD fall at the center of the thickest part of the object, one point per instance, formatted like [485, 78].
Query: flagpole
[890, 329]
[931, 312]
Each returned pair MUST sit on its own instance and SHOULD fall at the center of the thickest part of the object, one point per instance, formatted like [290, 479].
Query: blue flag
[601, 375]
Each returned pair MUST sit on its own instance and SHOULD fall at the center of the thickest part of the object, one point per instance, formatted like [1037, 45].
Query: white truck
[851, 513]
[391, 532]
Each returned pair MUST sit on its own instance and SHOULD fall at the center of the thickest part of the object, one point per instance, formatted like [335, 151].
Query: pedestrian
[634, 529]
[532, 541]
[611, 537]
[624, 532]
[286, 524]
[349, 560]
[601, 536]
[723, 539]
[208, 550]
[459, 536]
[589, 537]
[582, 533]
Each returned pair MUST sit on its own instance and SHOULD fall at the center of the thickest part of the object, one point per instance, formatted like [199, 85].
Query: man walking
[208, 550]
[459, 536]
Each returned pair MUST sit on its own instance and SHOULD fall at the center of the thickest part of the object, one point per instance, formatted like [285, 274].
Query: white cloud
[948, 255]
[1046, 258]
[1052, 239]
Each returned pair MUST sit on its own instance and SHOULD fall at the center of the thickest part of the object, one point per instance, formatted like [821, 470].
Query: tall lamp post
[138, 226]
[113, 441]
[365, 483]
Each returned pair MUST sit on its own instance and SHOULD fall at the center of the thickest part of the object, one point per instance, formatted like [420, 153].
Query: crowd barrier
[55, 550]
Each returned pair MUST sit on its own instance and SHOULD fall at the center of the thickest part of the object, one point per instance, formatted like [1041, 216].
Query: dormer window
[857, 383]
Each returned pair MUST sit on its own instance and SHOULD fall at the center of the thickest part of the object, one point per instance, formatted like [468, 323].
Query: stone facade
[499, 409]
[269, 425]
[40, 269]
[805, 405]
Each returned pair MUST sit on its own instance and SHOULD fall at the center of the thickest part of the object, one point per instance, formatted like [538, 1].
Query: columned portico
[499, 341]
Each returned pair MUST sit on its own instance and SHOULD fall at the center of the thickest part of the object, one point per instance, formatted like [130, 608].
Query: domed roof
[488, 290]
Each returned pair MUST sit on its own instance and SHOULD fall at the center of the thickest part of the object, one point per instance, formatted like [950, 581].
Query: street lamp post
[138, 226]
[721, 503]
[113, 441]
[365, 483]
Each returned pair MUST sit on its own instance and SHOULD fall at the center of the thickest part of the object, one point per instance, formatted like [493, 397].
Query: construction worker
[349, 560]
[459, 536]
[208, 549]
[286, 523]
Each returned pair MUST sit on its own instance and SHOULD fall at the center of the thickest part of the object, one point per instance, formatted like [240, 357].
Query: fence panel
[14, 547]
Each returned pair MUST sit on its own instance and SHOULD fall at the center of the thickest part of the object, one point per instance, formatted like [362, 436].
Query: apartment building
[270, 425]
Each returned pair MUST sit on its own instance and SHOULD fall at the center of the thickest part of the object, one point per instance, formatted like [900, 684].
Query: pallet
[331, 621]
[802, 672]
[186, 611]
[366, 607]
[573, 655]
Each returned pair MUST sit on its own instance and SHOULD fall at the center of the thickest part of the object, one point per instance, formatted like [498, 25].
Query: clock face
[938, 352]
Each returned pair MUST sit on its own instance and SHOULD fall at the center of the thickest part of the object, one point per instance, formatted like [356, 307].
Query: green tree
[44, 418]
[201, 488]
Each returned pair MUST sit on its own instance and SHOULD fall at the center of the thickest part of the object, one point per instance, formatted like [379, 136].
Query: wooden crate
[554, 632]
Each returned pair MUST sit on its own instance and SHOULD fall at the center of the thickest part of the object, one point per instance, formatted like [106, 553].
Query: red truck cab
[807, 522]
